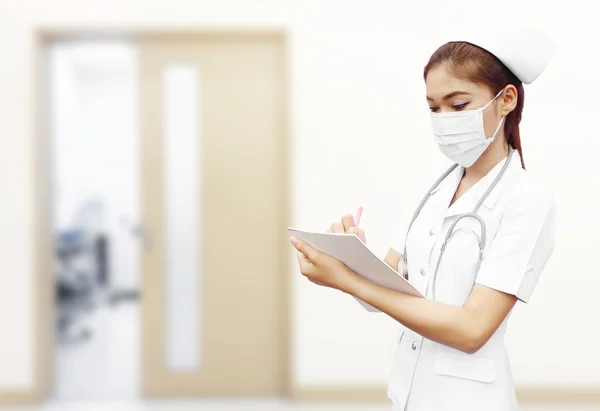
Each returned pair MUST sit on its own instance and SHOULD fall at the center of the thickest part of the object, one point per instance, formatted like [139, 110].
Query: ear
[508, 99]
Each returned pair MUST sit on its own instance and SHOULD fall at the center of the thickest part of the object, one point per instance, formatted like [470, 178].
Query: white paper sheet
[349, 249]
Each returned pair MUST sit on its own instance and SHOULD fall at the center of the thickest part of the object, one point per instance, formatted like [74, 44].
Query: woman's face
[447, 93]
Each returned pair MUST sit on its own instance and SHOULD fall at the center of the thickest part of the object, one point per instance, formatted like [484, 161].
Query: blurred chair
[75, 284]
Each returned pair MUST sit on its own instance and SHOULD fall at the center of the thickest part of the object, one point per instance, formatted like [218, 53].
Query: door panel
[239, 257]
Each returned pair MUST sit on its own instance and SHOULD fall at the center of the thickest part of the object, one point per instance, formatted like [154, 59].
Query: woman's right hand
[346, 225]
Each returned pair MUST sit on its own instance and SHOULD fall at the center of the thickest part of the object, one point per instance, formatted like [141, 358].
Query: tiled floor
[244, 405]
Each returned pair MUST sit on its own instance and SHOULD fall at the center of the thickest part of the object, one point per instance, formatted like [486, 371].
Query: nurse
[451, 353]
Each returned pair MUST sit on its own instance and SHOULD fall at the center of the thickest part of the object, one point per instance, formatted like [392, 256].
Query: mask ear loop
[492, 100]
[491, 139]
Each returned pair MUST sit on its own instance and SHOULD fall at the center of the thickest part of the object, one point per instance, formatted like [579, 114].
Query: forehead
[441, 82]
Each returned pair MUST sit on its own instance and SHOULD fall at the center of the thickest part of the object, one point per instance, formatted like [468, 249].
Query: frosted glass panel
[181, 149]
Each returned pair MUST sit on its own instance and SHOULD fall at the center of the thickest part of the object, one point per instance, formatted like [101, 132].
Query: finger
[347, 222]
[337, 228]
[302, 258]
[304, 264]
[305, 249]
[359, 232]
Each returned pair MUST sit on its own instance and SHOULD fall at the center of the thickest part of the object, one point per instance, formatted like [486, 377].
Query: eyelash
[456, 107]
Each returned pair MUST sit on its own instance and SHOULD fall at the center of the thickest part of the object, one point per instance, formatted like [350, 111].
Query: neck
[496, 152]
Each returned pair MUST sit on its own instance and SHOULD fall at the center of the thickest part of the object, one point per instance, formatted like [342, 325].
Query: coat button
[432, 232]
[414, 345]
[423, 272]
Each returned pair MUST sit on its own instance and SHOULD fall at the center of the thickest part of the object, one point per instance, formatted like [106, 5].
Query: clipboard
[350, 250]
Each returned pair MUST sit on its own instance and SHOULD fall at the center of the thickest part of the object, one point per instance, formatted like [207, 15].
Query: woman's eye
[459, 106]
[433, 109]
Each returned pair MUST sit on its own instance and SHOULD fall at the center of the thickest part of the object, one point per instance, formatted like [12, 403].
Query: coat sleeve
[522, 245]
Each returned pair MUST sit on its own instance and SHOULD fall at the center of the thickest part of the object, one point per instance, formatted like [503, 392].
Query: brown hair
[475, 64]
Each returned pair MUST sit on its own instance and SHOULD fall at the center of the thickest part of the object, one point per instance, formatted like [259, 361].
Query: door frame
[43, 277]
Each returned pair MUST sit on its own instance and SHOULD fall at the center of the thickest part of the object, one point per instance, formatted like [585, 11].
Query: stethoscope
[450, 233]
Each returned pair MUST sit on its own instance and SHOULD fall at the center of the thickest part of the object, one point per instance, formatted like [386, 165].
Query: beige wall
[358, 111]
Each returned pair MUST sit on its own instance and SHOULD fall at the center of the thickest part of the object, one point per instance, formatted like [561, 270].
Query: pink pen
[357, 218]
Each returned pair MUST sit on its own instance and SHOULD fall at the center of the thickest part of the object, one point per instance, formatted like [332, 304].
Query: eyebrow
[453, 94]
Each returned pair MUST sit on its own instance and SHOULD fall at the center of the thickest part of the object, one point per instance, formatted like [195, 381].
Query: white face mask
[460, 135]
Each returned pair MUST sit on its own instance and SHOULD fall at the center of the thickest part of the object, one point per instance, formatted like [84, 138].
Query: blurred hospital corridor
[144, 303]
[92, 90]
[155, 153]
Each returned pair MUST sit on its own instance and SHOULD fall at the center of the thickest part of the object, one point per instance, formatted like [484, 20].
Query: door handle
[144, 235]
[139, 231]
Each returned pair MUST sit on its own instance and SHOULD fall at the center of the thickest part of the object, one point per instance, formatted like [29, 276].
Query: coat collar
[468, 200]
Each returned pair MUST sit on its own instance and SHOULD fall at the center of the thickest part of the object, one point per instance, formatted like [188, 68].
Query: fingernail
[293, 240]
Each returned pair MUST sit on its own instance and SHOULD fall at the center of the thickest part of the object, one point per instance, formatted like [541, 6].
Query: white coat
[520, 218]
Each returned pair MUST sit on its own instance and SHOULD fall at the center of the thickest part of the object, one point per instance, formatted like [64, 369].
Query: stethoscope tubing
[450, 232]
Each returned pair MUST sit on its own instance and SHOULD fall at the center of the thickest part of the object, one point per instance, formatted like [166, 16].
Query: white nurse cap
[523, 49]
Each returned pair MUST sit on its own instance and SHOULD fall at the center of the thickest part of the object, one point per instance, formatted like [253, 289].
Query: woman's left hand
[321, 268]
